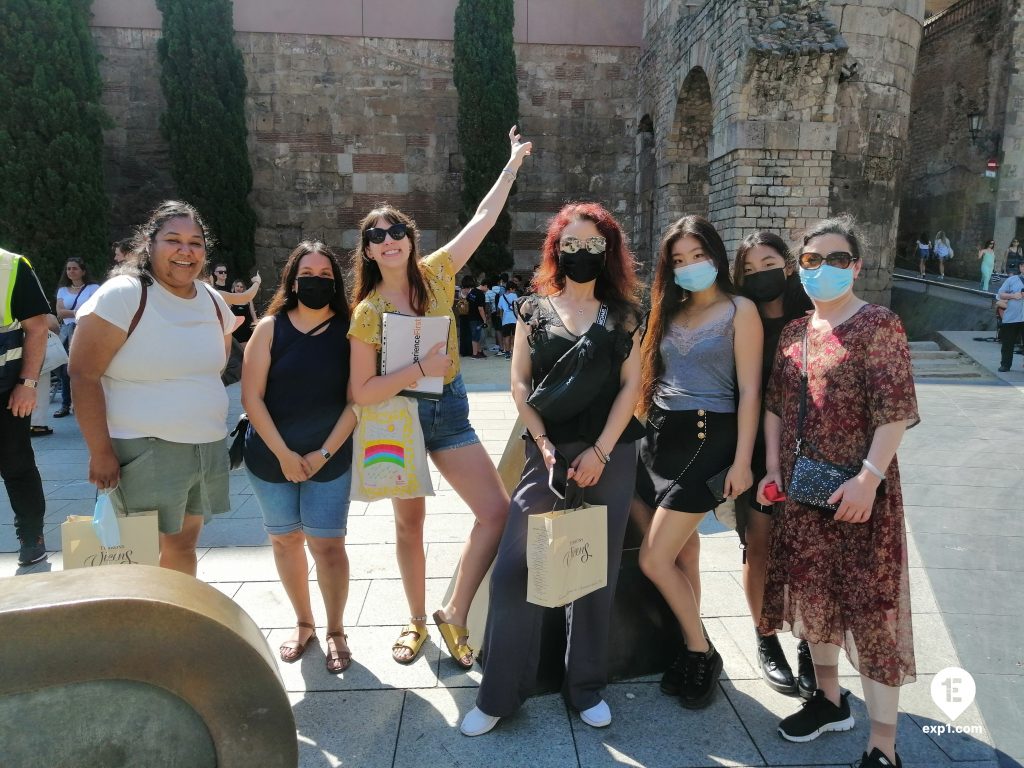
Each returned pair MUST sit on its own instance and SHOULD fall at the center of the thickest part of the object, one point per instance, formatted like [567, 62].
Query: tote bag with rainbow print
[389, 458]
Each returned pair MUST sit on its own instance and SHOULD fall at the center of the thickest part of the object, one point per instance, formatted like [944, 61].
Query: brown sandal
[337, 661]
[292, 650]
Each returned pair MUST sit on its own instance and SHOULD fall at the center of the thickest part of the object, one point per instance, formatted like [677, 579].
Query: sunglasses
[594, 245]
[377, 235]
[220, 271]
[841, 259]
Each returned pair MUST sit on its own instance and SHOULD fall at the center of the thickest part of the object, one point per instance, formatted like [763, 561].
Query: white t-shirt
[66, 295]
[165, 380]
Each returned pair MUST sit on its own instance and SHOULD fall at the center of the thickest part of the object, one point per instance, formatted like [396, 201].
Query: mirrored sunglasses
[595, 245]
[840, 259]
[377, 235]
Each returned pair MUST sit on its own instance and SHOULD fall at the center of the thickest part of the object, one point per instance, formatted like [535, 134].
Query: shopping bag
[389, 456]
[140, 543]
[566, 555]
[55, 355]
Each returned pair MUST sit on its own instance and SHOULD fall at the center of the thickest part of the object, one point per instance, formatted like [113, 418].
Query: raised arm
[245, 296]
[464, 244]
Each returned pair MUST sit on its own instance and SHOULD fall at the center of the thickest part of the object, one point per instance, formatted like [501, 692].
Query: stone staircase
[932, 362]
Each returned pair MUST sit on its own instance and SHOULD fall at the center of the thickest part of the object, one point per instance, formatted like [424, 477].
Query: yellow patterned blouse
[439, 275]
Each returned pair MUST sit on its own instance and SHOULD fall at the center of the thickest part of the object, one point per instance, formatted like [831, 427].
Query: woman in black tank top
[298, 449]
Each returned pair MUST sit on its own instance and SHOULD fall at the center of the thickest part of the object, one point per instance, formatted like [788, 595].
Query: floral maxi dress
[837, 582]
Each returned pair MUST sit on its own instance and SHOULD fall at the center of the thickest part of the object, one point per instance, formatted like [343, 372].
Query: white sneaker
[477, 723]
[598, 716]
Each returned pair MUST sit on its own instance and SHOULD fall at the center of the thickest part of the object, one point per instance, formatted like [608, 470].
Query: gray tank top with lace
[700, 368]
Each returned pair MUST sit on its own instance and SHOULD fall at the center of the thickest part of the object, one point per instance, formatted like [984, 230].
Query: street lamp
[974, 125]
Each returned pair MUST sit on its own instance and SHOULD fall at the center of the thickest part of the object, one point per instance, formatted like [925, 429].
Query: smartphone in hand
[558, 475]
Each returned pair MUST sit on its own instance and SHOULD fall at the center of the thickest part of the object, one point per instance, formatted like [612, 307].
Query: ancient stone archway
[643, 220]
[684, 173]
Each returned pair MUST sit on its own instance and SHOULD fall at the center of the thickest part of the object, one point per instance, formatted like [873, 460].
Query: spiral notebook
[407, 338]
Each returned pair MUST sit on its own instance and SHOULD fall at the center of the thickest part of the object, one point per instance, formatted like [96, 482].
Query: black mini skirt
[680, 452]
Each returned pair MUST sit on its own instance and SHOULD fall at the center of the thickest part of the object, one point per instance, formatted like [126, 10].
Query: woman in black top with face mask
[765, 272]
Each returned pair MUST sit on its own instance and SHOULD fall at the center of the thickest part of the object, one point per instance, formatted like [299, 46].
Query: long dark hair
[368, 274]
[139, 261]
[666, 296]
[617, 285]
[65, 281]
[795, 301]
[285, 298]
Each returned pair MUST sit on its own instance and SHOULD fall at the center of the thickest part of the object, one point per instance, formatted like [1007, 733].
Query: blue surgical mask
[696, 277]
[826, 283]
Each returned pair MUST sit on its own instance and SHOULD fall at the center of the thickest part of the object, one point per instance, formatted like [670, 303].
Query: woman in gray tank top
[701, 393]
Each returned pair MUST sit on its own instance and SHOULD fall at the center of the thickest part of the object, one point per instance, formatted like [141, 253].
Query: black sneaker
[32, 550]
[672, 680]
[774, 668]
[806, 682]
[700, 678]
[877, 760]
[817, 716]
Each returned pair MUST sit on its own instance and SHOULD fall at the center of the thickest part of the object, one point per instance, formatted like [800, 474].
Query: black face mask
[315, 292]
[761, 287]
[582, 266]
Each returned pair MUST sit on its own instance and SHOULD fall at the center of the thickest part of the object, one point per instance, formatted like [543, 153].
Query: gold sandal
[412, 638]
[455, 637]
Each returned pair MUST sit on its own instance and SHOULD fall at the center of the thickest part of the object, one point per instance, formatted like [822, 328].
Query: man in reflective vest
[23, 311]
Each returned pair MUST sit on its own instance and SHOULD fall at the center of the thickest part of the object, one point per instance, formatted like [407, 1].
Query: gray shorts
[175, 479]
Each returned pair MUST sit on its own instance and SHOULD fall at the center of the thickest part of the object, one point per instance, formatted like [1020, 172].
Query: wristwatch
[30, 383]
[326, 454]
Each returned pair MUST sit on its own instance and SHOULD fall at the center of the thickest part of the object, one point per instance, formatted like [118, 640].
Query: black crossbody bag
[814, 481]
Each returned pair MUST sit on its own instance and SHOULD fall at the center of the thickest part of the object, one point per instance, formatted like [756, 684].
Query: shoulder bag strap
[803, 394]
[216, 306]
[139, 311]
[602, 315]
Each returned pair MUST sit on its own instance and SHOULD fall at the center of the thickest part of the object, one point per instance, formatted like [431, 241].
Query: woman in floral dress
[840, 580]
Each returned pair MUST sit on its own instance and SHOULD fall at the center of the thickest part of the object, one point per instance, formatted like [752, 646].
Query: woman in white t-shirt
[74, 289]
[152, 343]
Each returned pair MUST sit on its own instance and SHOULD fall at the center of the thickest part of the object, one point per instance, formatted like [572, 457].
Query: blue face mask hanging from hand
[826, 283]
[696, 277]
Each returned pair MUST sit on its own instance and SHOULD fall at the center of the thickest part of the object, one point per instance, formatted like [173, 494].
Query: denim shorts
[319, 509]
[445, 422]
[477, 329]
[175, 479]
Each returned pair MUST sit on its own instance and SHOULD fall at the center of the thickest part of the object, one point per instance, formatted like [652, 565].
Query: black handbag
[577, 377]
[814, 481]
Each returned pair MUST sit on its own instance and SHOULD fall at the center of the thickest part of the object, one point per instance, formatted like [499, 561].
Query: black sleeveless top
[549, 340]
[307, 389]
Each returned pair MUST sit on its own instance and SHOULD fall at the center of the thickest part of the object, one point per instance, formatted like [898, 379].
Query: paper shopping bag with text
[140, 542]
[566, 555]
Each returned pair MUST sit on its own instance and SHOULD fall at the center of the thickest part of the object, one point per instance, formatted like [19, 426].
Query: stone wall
[337, 124]
[966, 65]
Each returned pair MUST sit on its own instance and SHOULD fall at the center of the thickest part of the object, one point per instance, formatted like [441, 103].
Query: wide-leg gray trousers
[513, 635]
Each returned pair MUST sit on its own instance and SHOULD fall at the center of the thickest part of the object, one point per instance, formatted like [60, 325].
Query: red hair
[617, 285]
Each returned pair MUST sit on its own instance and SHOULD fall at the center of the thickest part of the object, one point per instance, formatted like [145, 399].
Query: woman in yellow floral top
[390, 277]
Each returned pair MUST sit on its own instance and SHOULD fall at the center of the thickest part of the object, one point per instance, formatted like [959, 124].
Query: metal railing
[991, 295]
[956, 15]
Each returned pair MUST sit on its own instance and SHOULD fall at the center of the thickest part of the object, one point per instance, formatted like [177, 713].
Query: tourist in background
[246, 311]
[39, 426]
[923, 248]
[146, 365]
[1013, 256]
[943, 252]
[701, 395]
[219, 280]
[1012, 329]
[987, 257]
[24, 311]
[839, 578]
[74, 289]
[298, 448]
[506, 303]
[390, 277]
[464, 314]
[586, 267]
[122, 249]
[765, 272]
[477, 298]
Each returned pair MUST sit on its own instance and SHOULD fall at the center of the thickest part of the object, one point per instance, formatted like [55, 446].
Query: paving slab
[267, 603]
[350, 728]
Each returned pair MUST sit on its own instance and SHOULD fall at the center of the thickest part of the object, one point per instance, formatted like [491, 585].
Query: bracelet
[873, 469]
[421, 367]
[540, 437]
[601, 455]
[510, 173]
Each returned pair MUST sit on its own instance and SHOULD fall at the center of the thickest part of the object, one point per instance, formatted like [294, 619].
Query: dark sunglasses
[377, 235]
[841, 259]
[220, 271]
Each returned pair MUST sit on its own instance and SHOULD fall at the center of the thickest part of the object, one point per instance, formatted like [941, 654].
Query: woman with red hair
[586, 285]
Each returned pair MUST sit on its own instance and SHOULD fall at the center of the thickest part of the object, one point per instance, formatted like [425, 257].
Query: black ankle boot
[774, 668]
[674, 677]
[806, 682]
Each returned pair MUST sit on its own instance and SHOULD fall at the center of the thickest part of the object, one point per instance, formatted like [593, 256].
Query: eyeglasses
[841, 259]
[377, 235]
[595, 245]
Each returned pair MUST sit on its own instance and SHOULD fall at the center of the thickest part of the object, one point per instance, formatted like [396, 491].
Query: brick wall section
[966, 65]
[337, 125]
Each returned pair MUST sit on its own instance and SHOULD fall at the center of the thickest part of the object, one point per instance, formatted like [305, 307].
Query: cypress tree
[485, 76]
[52, 200]
[203, 80]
